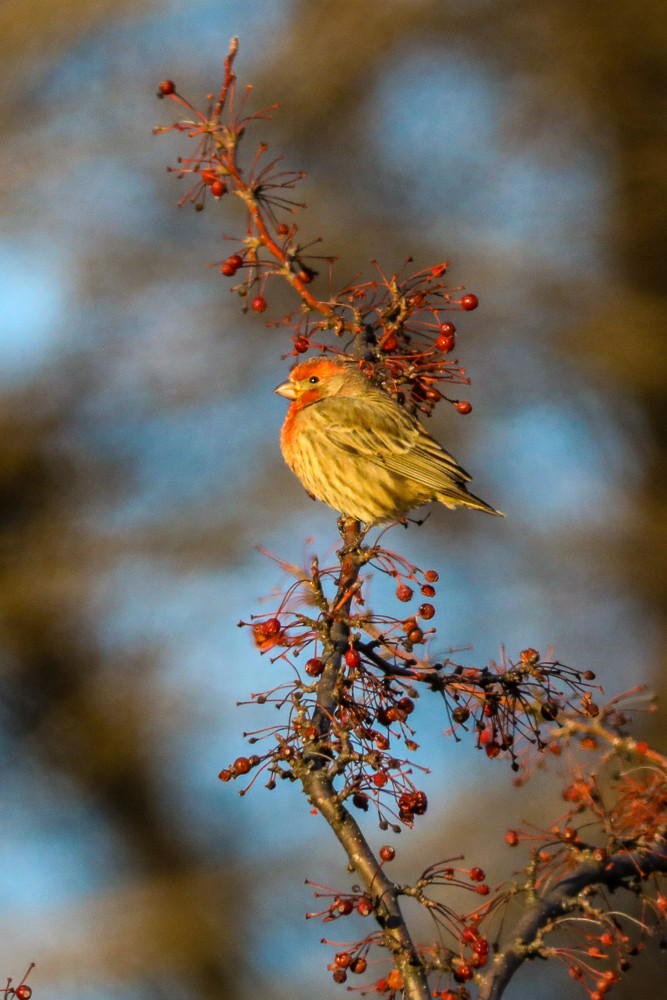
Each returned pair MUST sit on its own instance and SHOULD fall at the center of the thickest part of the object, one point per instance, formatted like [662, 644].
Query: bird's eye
[313, 379]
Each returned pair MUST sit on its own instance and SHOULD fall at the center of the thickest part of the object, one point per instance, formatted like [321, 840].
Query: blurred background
[139, 460]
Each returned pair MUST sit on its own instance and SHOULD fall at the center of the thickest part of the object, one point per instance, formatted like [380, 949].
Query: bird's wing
[388, 436]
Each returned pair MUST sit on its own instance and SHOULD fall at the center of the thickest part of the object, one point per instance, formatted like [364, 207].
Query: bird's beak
[286, 389]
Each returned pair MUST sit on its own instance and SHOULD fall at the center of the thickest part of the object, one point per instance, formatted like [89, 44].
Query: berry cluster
[369, 665]
[401, 326]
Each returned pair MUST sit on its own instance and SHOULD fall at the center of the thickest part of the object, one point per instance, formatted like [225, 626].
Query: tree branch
[382, 891]
[622, 870]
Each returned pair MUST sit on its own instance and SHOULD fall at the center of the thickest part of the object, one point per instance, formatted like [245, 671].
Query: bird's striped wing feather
[391, 439]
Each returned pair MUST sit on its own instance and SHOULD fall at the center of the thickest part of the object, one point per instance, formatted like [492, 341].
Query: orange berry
[395, 979]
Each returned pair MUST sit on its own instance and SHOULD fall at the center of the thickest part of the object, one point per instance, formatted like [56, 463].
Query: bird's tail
[461, 498]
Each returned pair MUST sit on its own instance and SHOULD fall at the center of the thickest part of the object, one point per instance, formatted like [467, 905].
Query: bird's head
[318, 378]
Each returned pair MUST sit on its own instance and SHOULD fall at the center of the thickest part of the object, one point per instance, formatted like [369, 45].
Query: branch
[379, 888]
[351, 561]
[622, 870]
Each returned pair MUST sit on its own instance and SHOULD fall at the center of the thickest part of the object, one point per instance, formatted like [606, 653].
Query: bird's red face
[313, 380]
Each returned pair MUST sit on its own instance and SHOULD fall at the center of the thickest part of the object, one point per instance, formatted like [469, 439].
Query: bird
[354, 447]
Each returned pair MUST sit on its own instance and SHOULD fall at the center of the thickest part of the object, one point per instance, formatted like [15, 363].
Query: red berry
[395, 980]
[403, 592]
[512, 838]
[339, 975]
[358, 965]
[387, 852]
[426, 611]
[447, 329]
[461, 714]
[469, 302]
[314, 667]
[352, 658]
[301, 345]
[225, 775]
[481, 946]
[23, 991]
[529, 656]
[258, 304]
[419, 803]
[406, 705]
[463, 973]
[218, 188]
[364, 907]
[271, 626]
[229, 270]
[477, 874]
[282, 229]
[463, 406]
[209, 176]
[445, 343]
[166, 88]
[390, 344]
[345, 906]
[241, 765]
[431, 576]
[343, 959]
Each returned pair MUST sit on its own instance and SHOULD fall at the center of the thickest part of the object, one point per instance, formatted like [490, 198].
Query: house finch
[355, 448]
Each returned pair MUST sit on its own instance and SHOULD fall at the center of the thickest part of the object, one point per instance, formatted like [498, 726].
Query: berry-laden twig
[400, 324]
[346, 729]
[571, 894]
[21, 991]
